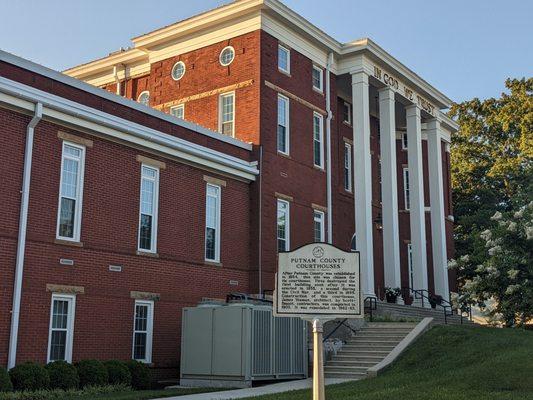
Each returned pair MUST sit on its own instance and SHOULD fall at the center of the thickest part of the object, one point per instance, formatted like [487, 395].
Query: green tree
[492, 168]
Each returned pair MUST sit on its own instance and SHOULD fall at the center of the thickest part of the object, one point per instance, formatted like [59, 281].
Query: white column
[436, 196]
[416, 196]
[389, 189]
[363, 179]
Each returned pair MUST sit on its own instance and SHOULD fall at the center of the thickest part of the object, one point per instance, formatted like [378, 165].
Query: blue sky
[466, 48]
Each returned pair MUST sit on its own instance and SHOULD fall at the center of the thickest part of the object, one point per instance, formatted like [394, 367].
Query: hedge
[29, 376]
[5, 381]
[92, 373]
[63, 375]
[118, 372]
[141, 378]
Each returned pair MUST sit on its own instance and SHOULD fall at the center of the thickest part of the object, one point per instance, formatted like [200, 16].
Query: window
[226, 56]
[284, 59]
[178, 70]
[404, 141]
[380, 180]
[347, 113]
[212, 223]
[144, 98]
[318, 140]
[283, 124]
[227, 114]
[178, 111]
[70, 192]
[148, 208]
[283, 232]
[410, 264]
[407, 202]
[319, 226]
[347, 167]
[317, 78]
[142, 331]
[61, 328]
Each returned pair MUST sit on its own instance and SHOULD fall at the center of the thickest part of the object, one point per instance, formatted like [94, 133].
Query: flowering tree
[503, 281]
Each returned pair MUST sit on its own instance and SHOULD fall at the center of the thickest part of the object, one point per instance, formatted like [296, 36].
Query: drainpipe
[260, 266]
[21, 245]
[328, 149]
[117, 80]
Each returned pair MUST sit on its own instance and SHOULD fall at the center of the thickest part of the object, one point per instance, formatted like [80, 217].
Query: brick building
[215, 142]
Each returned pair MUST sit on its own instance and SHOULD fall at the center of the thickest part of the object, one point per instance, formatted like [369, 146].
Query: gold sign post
[318, 282]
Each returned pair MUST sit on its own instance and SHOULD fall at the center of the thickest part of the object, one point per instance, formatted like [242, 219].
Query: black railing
[339, 324]
[370, 304]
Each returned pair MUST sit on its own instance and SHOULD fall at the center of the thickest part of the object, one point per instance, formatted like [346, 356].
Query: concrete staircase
[398, 311]
[368, 347]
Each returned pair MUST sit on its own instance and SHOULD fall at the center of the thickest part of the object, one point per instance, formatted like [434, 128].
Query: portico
[400, 105]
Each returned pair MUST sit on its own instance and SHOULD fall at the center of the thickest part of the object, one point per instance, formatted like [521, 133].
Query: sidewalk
[256, 391]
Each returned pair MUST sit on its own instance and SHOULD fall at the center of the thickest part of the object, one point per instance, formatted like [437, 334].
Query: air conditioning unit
[234, 345]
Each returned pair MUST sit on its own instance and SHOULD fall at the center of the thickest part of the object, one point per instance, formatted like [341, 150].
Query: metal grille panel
[261, 342]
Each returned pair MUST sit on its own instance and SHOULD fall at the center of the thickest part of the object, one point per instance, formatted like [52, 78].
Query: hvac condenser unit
[236, 344]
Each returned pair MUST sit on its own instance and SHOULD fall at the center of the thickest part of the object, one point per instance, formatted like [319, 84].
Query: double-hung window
[148, 208]
[227, 114]
[318, 140]
[404, 141]
[406, 199]
[284, 59]
[70, 192]
[61, 332]
[143, 323]
[319, 230]
[347, 113]
[178, 111]
[283, 124]
[317, 79]
[283, 225]
[212, 223]
[348, 167]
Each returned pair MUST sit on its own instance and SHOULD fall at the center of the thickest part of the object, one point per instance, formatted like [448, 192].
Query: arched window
[144, 98]
[352, 244]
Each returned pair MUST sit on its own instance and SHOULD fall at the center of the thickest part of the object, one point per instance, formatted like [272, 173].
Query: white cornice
[67, 80]
[89, 119]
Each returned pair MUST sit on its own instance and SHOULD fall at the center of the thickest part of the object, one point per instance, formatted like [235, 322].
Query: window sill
[147, 254]
[318, 168]
[72, 243]
[318, 91]
[284, 155]
[213, 263]
[284, 73]
[347, 123]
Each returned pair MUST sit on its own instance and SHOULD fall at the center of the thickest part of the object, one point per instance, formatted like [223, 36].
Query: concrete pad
[256, 391]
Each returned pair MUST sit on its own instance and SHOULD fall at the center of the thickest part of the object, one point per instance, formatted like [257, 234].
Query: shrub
[5, 381]
[92, 373]
[63, 375]
[29, 376]
[118, 372]
[140, 375]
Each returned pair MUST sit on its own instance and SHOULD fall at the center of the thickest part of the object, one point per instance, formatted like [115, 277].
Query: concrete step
[351, 357]
[371, 341]
[350, 363]
[381, 325]
[343, 375]
[358, 352]
[386, 331]
[345, 368]
[377, 336]
[367, 348]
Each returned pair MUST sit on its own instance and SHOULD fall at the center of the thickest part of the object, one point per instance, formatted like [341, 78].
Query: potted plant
[435, 299]
[392, 294]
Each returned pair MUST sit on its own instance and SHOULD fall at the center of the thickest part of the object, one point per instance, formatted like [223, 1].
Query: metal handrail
[373, 305]
[339, 324]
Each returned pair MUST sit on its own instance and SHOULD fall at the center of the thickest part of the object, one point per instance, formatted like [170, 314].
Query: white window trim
[149, 330]
[140, 94]
[288, 70]
[287, 122]
[348, 150]
[320, 216]
[321, 134]
[177, 107]
[349, 121]
[220, 111]
[404, 135]
[410, 270]
[406, 190]
[79, 195]
[321, 88]
[220, 56]
[174, 67]
[287, 224]
[70, 325]
[155, 211]
[217, 227]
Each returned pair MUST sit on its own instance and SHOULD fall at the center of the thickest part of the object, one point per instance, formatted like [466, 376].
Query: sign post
[318, 282]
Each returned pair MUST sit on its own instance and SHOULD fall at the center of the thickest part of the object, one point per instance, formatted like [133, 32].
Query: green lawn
[142, 394]
[448, 363]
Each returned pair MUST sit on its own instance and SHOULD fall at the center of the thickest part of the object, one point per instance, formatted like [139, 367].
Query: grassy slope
[451, 362]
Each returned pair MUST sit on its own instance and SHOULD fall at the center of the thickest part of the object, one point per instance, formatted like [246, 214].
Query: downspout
[260, 267]
[21, 245]
[328, 149]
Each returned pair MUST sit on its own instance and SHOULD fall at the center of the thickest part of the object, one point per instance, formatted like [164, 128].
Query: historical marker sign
[318, 280]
